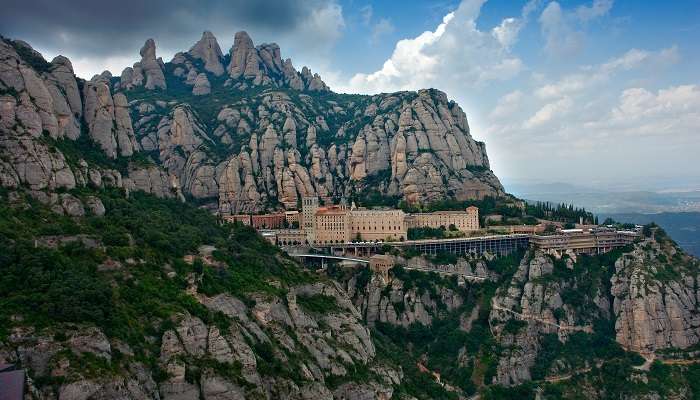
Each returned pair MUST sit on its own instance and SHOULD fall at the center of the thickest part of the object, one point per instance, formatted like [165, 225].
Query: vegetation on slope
[112, 272]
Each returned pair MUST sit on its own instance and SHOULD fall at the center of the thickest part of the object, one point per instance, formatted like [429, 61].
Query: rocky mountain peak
[263, 65]
[242, 55]
[207, 49]
[63, 61]
[150, 67]
[148, 51]
[246, 149]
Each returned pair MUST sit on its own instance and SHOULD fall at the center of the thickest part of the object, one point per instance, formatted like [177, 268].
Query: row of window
[365, 228]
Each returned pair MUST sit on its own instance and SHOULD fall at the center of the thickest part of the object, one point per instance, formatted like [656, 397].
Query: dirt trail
[566, 377]
[526, 317]
[439, 271]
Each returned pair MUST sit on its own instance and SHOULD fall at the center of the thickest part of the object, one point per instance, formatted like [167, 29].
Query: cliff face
[229, 364]
[42, 105]
[540, 300]
[406, 297]
[645, 299]
[656, 293]
[238, 132]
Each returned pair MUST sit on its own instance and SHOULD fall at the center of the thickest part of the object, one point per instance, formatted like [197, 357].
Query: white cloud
[561, 37]
[590, 76]
[381, 28]
[568, 84]
[322, 27]
[671, 112]
[599, 8]
[564, 30]
[601, 116]
[507, 32]
[456, 53]
[507, 105]
[548, 112]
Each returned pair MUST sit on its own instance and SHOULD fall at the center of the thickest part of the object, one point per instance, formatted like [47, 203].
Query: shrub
[318, 303]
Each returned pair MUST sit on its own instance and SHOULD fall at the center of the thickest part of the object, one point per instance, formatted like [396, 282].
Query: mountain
[240, 132]
[118, 282]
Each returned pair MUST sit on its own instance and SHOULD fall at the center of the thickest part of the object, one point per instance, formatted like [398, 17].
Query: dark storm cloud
[100, 28]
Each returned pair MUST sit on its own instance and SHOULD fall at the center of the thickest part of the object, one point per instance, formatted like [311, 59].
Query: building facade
[464, 221]
[331, 225]
[375, 225]
[293, 218]
[242, 218]
[309, 206]
[322, 225]
[579, 241]
[268, 221]
[291, 237]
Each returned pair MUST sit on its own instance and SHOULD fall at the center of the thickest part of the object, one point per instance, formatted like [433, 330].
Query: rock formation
[283, 326]
[201, 85]
[248, 150]
[207, 49]
[151, 66]
[108, 120]
[652, 311]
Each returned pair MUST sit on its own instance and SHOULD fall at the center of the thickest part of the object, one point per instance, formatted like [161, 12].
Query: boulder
[201, 85]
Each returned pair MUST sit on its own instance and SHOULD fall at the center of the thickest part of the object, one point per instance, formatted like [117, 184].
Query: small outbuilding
[381, 264]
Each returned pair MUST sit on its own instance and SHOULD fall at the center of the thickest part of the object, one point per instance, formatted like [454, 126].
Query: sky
[590, 92]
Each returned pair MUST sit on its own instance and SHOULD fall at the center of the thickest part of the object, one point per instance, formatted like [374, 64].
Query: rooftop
[331, 210]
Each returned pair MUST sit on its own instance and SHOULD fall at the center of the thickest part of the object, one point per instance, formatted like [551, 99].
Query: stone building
[373, 225]
[290, 237]
[268, 221]
[381, 264]
[579, 241]
[464, 221]
[332, 225]
[309, 205]
[293, 217]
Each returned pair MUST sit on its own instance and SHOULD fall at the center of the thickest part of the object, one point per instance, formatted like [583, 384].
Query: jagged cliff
[238, 132]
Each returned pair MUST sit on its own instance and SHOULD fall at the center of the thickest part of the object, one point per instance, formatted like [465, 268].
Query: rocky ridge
[396, 299]
[41, 104]
[272, 136]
